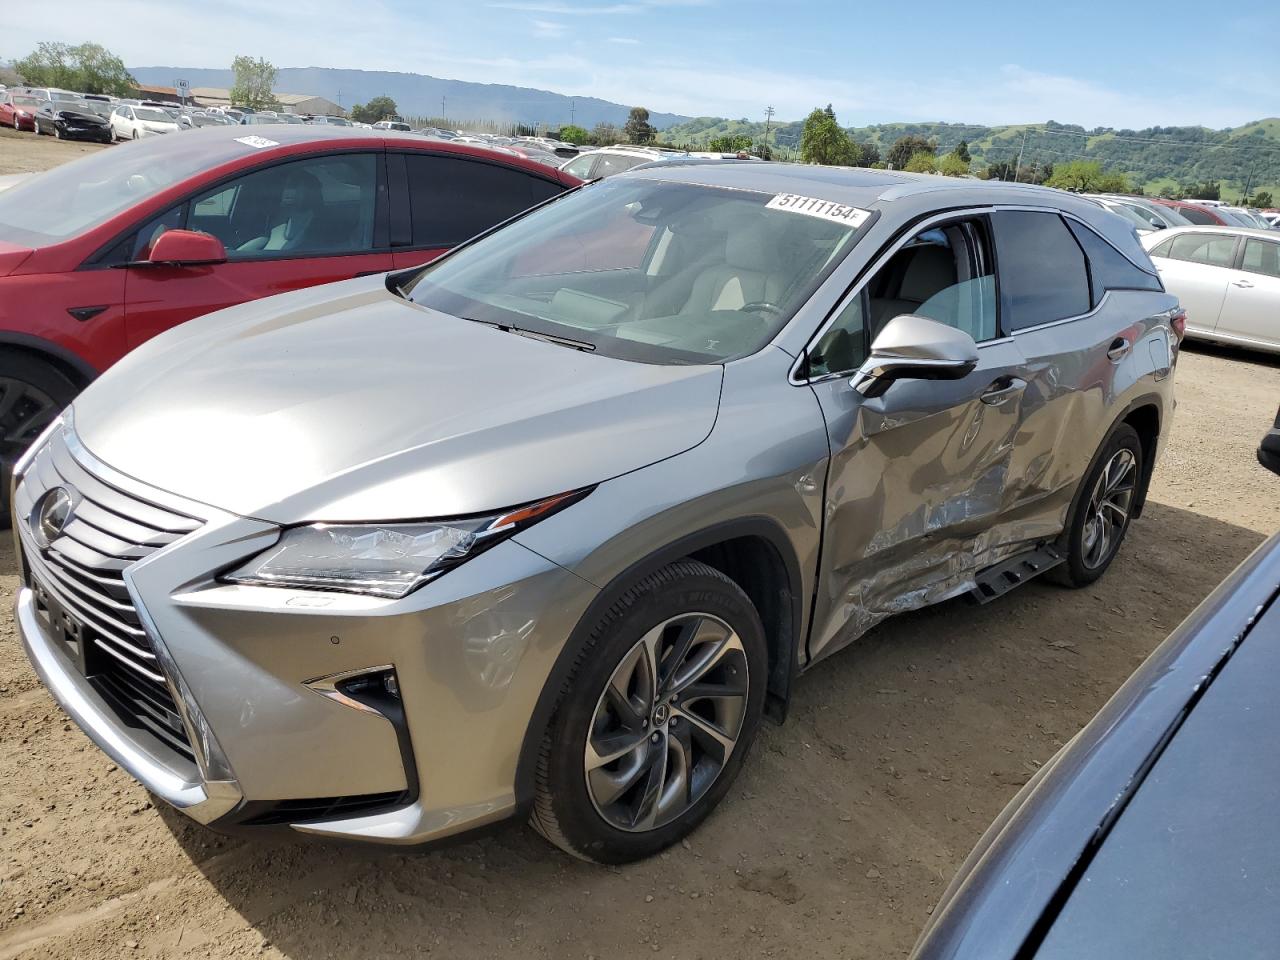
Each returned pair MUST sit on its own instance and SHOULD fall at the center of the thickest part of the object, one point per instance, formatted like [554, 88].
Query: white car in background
[605, 162]
[132, 123]
[1228, 280]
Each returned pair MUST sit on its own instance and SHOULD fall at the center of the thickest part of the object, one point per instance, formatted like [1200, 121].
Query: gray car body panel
[352, 404]
[346, 403]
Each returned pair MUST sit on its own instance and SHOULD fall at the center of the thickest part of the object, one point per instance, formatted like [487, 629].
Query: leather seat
[743, 278]
[931, 270]
[300, 203]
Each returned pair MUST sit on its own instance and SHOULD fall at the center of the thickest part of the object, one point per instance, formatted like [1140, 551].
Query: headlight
[385, 559]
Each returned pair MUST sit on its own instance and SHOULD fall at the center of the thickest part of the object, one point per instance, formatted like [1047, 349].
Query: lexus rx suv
[544, 528]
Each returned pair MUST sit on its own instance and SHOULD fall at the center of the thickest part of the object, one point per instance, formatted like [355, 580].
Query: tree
[952, 165]
[571, 133]
[904, 148]
[1263, 199]
[254, 81]
[637, 128]
[730, 143]
[923, 161]
[822, 141]
[868, 153]
[962, 151]
[87, 68]
[1087, 176]
[379, 108]
[1209, 190]
[605, 134]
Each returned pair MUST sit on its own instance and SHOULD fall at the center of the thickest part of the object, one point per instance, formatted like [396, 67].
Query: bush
[922, 162]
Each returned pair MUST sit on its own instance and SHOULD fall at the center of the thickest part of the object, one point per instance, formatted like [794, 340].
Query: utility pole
[443, 114]
[768, 120]
[573, 105]
[1018, 169]
[1248, 181]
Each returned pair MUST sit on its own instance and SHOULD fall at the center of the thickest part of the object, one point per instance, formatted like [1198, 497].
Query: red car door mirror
[184, 248]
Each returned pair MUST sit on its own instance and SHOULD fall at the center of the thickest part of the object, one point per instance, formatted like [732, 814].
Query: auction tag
[258, 142]
[813, 207]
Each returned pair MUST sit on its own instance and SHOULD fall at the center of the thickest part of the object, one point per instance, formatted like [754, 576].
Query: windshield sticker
[813, 207]
[258, 142]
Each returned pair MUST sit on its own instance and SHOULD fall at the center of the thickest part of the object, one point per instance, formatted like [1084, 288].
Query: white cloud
[548, 28]
[626, 40]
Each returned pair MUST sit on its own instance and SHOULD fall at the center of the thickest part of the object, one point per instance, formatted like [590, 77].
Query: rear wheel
[1105, 508]
[32, 394]
[655, 719]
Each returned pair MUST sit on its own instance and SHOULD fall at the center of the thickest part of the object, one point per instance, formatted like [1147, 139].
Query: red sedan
[105, 252]
[18, 110]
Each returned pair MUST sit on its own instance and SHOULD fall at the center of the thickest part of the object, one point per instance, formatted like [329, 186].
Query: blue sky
[1119, 63]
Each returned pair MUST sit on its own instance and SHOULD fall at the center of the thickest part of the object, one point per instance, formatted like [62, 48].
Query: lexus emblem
[51, 516]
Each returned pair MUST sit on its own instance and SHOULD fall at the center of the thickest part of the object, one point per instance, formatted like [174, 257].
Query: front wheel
[1102, 515]
[655, 719]
[31, 395]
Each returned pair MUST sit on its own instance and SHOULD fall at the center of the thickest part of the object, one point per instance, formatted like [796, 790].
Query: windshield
[84, 193]
[26, 101]
[648, 270]
[152, 114]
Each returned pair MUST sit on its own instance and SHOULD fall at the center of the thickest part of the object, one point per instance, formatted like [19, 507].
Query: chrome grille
[78, 582]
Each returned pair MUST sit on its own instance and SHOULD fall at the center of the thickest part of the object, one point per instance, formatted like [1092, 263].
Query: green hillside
[1156, 159]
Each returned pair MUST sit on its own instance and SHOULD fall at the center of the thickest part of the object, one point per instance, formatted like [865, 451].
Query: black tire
[49, 392]
[1085, 563]
[564, 809]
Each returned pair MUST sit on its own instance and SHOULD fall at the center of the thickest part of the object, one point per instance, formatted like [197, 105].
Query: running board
[997, 580]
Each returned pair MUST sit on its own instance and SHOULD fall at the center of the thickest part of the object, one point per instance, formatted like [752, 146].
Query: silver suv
[546, 527]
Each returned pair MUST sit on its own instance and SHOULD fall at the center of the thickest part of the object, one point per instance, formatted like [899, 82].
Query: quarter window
[1262, 256]
[1215, 250]
[1109, 269]
[452, 199]
[1043, 273]
[843, 348]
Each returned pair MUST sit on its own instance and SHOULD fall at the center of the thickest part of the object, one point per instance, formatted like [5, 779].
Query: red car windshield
[77, 196]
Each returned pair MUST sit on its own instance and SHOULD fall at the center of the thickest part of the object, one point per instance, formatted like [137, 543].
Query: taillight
[1178, 320]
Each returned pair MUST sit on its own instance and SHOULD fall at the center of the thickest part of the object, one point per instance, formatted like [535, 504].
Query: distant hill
[1156, 159]
[418, 95]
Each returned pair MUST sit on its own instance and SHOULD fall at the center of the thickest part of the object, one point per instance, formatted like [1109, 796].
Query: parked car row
[1156, 213]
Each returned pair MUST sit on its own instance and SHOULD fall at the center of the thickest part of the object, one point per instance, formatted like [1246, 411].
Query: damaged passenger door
[920, 455]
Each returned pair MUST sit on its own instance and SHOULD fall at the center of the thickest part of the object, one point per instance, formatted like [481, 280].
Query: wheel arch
[66, 362]
[756, 554]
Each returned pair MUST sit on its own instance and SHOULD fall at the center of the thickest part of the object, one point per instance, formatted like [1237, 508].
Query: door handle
[1002, 389]
[1119, 349]
[1242, 283]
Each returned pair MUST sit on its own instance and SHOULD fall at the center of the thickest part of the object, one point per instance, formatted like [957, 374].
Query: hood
[345, 402]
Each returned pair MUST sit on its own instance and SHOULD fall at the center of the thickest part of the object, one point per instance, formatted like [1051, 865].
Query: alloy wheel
[1109, 507]
[25, 410]
[667, 722]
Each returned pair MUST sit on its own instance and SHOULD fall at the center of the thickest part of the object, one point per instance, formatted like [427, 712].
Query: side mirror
[915, 348]
[186, 248]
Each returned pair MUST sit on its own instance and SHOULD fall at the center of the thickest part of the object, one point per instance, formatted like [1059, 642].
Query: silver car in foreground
[546, 527]
[1227, 278]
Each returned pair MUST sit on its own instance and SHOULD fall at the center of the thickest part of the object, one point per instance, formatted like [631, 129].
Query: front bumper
[471, 651]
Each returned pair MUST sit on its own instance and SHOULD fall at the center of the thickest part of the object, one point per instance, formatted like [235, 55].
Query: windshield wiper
[537, 335]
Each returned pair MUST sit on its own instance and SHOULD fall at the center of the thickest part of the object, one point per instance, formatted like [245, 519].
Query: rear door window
[1043, 273]
[1212, 249]
[1262, 257]
[452, 199]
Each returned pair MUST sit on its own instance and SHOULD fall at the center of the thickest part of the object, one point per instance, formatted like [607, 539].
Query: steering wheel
[760, 306]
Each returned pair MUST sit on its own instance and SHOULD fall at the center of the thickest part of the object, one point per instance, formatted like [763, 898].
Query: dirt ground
[837, 841]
